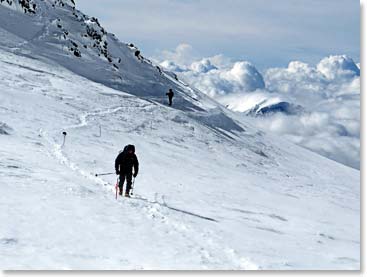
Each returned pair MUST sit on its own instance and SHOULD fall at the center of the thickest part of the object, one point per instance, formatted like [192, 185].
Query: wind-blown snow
[213, 191]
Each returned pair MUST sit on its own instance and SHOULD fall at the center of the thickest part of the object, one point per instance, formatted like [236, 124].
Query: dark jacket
[170, 94]
[125, 162]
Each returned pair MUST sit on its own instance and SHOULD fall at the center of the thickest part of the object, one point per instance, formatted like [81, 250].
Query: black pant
[170, 100]
[128, 176]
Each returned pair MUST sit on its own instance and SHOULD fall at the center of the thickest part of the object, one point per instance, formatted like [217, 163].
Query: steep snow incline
[64, 35]
[213, 192]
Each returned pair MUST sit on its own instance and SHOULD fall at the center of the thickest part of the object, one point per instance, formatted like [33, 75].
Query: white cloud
[335, 67]
[317, 107]
[203, 66]
[330, 92]
[172, 66]
[319, 132]
[245, 75]
[183, 55]
[298, 78]
[208, 76]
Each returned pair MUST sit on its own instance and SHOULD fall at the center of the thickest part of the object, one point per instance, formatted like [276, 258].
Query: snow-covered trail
[57, 151]
[203, 245]
[164, 219]
[156, 217]
[207, 197]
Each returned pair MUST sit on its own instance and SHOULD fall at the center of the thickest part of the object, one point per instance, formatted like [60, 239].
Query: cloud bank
[315, 106]
[269, 34]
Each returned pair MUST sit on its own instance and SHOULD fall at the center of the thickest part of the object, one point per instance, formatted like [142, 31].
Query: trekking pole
[104, 174]
[117, 186]
[132, 187]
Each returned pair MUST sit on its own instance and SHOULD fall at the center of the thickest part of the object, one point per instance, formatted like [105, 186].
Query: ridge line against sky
[266, 35]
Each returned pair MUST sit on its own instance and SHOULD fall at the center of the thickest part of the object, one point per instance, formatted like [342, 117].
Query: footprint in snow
[8, 241]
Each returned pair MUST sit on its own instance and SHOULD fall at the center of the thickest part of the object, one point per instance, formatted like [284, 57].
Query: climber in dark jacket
[124, 164]
[170, 95]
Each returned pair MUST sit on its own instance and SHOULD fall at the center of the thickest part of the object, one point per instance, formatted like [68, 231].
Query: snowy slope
[78, 42]
[213, 192]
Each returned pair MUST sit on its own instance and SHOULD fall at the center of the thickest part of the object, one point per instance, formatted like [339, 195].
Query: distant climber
[170, 95]
[124, 164]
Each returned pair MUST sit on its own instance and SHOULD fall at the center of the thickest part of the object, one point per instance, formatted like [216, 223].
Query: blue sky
[266, 33]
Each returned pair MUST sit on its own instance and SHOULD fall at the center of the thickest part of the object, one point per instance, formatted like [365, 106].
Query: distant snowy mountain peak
[260, 104]
[269, 107]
